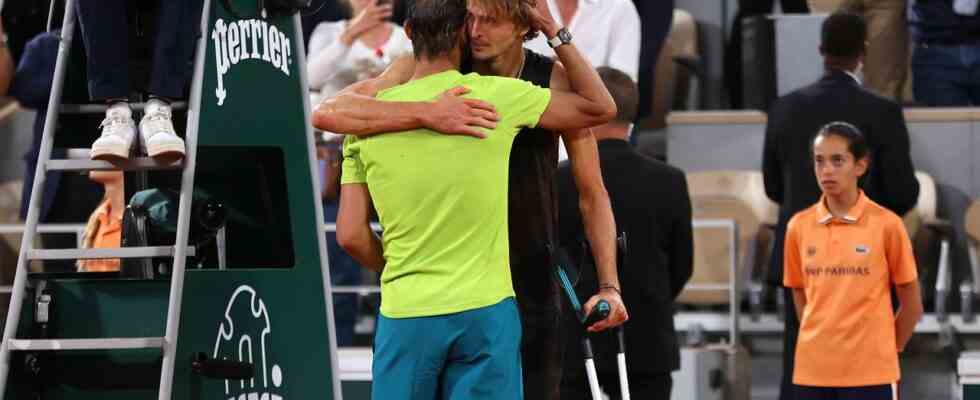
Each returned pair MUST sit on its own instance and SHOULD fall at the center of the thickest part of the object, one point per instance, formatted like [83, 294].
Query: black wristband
[610, 286]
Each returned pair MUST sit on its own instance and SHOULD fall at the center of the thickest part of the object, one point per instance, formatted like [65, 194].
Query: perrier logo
[248, 39]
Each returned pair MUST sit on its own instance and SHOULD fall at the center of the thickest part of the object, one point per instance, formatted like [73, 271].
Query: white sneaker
[118, 132]
[157, 132]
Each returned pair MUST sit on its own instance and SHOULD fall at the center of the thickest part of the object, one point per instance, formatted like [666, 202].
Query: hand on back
[452, 114]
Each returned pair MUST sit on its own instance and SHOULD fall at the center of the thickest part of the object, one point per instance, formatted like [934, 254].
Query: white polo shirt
[607, 32]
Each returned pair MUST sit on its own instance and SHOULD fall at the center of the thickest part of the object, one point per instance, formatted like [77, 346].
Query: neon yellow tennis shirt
[442, 200]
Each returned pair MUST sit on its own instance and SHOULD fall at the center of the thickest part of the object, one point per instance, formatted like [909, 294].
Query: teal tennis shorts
[473, 355]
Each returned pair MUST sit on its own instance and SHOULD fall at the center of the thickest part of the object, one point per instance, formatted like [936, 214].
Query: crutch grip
[599, 312]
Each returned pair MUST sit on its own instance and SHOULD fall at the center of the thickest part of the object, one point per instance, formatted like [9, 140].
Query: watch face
[564, 36]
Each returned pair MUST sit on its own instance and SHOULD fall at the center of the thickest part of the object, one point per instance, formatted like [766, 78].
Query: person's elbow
[910, 300]
[351, 238]
[916, 309]
[605, 111]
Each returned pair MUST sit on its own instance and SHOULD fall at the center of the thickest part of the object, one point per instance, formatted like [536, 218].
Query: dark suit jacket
[651, 204]
[787, 164]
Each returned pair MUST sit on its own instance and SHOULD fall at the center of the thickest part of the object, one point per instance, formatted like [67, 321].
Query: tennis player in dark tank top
[498, 29]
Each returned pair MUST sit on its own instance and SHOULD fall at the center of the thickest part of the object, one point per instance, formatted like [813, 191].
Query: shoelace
[159, 122]
[113, 124]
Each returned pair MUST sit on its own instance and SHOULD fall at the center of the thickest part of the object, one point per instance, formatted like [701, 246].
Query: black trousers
[539, 303]
[105, 31]
[733, 53]
[876, 392]
[790, 333]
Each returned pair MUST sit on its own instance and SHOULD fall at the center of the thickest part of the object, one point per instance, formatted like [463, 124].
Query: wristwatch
[563, 37]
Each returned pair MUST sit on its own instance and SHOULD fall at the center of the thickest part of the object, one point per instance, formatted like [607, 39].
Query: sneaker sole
[109, 152]
[169, 151]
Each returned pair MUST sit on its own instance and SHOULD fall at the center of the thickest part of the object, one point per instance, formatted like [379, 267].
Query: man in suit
[651, 205]
[794, 119]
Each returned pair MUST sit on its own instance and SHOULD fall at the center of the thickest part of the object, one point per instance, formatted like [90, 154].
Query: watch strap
[562, 37]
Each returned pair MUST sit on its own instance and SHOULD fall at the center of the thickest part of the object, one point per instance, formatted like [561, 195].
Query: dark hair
[843, 35]
[856, 143]
[435, 26]
[624, 93]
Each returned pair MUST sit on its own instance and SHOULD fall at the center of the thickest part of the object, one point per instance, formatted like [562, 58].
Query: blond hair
[517, 11]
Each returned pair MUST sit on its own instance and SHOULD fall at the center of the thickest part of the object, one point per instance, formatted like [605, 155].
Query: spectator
[786, 162]
[104, 227]
[946, 55]
[607, 31]
[656, 19]
[321, 11]
[105, 31]
[733, 53]
[888, 41]
[344, 271]
[651, 203]
[344, 52]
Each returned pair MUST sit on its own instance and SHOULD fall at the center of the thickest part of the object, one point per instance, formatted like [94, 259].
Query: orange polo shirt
[109, 236]
[847, 267]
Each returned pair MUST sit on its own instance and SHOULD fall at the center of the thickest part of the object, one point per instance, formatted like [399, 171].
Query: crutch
[624, 386]
[599, 312]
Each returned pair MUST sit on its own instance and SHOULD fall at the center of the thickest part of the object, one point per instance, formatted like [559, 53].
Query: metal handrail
[734, 289]
[77, 229]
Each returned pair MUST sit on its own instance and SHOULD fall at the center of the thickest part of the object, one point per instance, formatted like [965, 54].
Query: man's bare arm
[354, 233]
[355, 111]
[587, 103]
[599, 222]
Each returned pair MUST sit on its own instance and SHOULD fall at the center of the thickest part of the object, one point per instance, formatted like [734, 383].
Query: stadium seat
[931, 240]
[737, 196]
[679, 61]
[972, 224]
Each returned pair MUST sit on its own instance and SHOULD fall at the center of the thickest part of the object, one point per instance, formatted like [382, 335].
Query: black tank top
[533, 194]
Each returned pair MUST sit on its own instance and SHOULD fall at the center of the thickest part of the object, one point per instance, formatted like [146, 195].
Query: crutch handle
[599, 312]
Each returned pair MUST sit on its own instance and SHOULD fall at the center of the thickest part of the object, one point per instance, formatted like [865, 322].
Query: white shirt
[855, 77]
[607, 32]
[332, 65]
